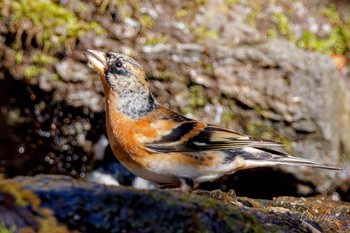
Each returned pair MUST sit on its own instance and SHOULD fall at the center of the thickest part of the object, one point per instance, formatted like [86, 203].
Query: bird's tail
[255, 157]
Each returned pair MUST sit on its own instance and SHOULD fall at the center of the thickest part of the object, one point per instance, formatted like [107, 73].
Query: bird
[165, 147]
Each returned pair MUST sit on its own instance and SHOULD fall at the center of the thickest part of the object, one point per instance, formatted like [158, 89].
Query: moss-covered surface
[321, 212]
[37, 31]
[325, 28]
[21, 211]
[43, 24]
[98, 208]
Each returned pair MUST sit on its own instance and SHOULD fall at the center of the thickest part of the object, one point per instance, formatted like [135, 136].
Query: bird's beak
[97, 59]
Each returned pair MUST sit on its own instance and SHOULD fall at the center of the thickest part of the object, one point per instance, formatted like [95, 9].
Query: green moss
[49, 223]
[152, 39]
[42, 58]
[181, 13]
[271, 32]
[24, 198]
[260, 130]
[282, 23]
[207, 68]
[227, 117]
[255, 10]
[146, 21]
[42, 27]
[197, 99]
[342, 158]
[19, 57]
[39, 62]
[33, 71]
[48, 23]
[188, 10]
[337, 42]
[231, 2]
[202, 33]
[3, 229]
[331, 13]
[164, 75]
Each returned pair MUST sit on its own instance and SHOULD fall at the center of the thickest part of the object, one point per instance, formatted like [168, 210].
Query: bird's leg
[186, 184]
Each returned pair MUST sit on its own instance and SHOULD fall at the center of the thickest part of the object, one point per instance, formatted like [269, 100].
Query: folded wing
[189, 136]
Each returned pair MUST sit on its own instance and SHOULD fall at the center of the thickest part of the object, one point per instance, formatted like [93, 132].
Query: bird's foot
[185, 185]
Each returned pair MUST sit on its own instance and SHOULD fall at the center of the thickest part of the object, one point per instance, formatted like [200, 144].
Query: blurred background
[274, 69]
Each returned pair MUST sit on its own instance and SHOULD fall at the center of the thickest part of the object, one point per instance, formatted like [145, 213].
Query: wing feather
[190, 135]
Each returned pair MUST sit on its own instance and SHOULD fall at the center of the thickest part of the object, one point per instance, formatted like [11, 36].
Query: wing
[188, 135]
[176, 133]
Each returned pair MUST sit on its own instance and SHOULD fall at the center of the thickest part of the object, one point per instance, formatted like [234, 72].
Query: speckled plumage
[160, 145]
[134, 98]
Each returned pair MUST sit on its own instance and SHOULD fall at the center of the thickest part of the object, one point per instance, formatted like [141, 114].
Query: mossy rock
[91, 207]
[20, 211]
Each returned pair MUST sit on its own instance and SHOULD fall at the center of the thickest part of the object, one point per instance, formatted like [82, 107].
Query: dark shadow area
[39, 135]
[262, 183]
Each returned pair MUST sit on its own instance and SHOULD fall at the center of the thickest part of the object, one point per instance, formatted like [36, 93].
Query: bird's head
[119, 72]
[124, 82]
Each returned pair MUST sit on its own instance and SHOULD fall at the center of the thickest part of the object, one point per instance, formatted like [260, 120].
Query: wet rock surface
[41, 135]
[20, 211]
[316, 120]
[93, 207]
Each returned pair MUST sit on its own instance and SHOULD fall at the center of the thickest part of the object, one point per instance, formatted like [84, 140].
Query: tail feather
[268, 157]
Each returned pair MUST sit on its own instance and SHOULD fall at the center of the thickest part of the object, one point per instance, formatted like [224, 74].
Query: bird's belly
[199, 167]
[141, 171]
[137, 167]
[155, 177]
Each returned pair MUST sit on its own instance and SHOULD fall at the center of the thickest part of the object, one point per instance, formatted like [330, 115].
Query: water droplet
[53, 126]
[21, 149]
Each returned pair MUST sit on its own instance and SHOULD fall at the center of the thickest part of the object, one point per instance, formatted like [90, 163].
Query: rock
[299, 94]
[20, 211]
[203, 59]
[90, 207]
[40, 135]
[229, 21]
[71, 71]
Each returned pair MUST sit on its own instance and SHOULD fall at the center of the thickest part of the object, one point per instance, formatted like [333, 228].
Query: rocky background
[272, 69]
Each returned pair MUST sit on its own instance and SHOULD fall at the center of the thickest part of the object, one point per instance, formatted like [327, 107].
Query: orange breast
[123, 134]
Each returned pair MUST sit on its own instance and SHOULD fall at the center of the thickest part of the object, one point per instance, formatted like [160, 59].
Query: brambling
[165, 147]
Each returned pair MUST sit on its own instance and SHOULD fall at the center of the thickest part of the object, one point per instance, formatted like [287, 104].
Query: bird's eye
[118, 64]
